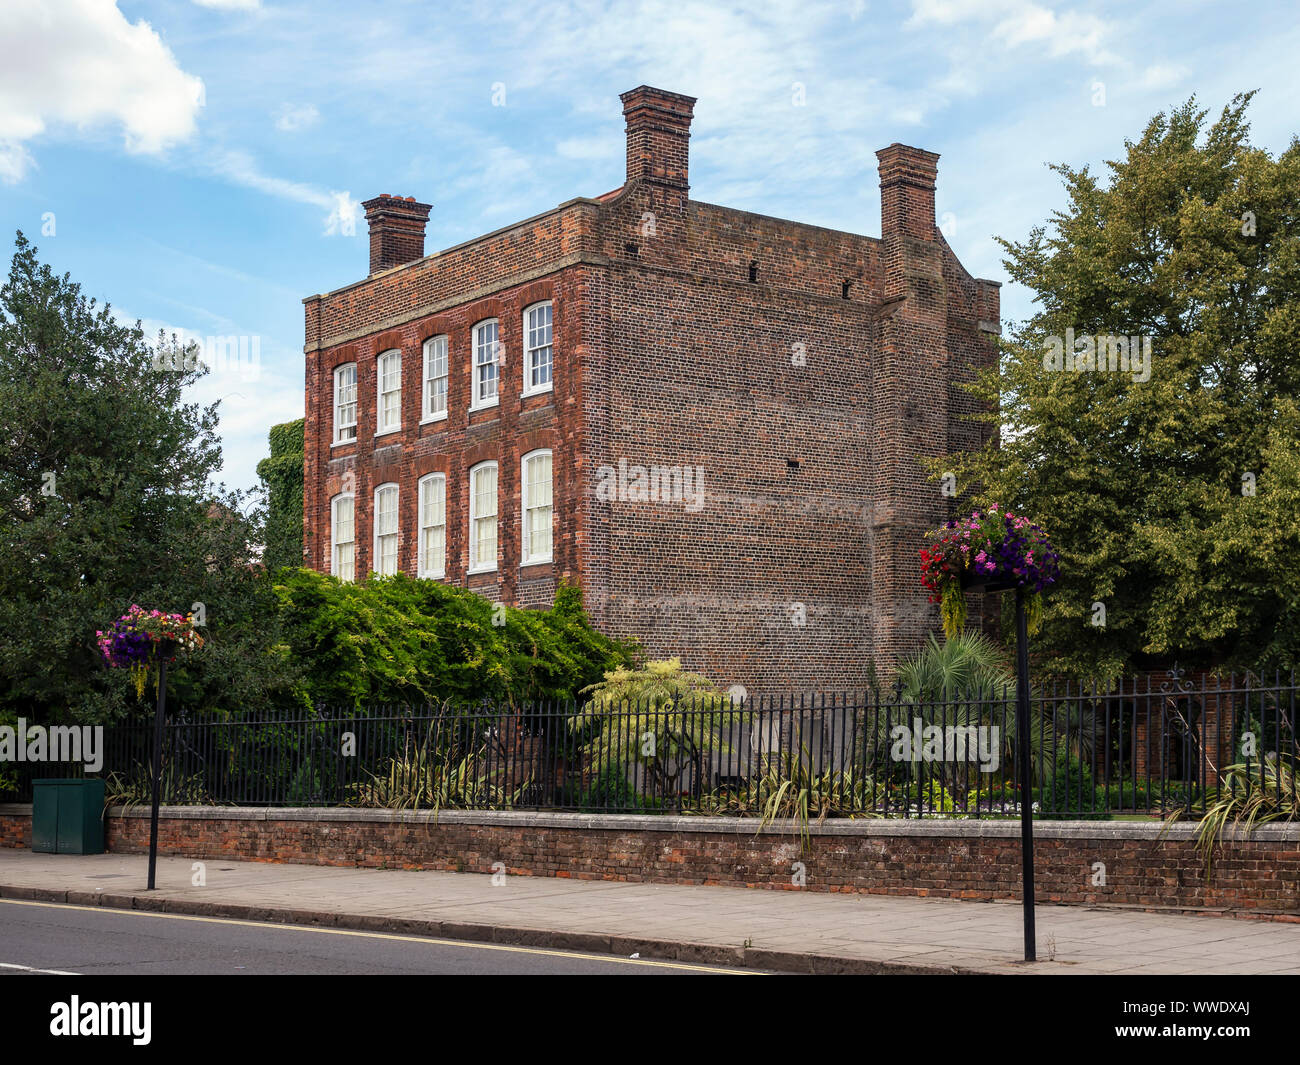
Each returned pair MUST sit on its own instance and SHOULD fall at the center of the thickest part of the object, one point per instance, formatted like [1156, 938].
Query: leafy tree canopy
[1174, 499]
[107, 499]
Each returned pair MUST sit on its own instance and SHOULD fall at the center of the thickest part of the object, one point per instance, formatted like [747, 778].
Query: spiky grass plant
[1248, 797]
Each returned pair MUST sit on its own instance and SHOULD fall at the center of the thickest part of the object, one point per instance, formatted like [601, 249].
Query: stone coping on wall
[878, 827]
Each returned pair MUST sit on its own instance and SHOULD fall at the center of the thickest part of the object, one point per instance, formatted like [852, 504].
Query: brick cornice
[508, 281]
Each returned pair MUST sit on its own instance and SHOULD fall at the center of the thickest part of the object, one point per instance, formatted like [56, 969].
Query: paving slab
[788, 929]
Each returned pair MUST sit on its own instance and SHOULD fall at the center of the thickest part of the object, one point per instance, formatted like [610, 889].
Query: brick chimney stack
[907, 192]
[396, 230]
[658, 135]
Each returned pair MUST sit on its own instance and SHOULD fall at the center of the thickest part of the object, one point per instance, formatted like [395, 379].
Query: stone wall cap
[982, 828]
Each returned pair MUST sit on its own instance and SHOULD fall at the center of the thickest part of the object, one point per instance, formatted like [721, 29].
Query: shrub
[403, 640]
[135, 787]
[1071, 792]
[995, 796]
[928, 796]
[1129, 795]
[611, 791]
[428, 779]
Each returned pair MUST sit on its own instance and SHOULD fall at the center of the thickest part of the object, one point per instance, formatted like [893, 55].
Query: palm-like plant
[967, 665]
[962, 683]
[660, 718]
[1248, 796]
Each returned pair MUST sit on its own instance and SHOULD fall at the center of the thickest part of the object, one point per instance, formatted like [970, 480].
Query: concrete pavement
[783, 930]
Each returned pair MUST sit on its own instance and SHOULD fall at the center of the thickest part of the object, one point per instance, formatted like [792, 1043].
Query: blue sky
[201, 159]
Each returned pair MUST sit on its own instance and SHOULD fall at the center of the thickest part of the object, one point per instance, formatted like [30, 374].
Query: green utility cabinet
[68, 816]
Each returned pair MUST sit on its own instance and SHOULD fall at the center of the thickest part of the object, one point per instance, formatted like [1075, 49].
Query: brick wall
[971, 860]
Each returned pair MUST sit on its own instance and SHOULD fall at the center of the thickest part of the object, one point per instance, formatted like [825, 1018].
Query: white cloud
[1162, 75]
[81, 63]
[342, 211]
[290, 118]
[230, 5]
[1015, 23]
[14, 161]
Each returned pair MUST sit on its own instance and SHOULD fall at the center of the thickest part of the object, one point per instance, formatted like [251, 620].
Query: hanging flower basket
[142, 639]
[989, 551]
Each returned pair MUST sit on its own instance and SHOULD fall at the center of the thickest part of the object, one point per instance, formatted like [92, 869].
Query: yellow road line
[385, 935]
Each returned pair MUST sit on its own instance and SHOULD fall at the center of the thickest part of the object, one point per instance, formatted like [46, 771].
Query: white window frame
[422, 563]
[339, 426]
[334, 539]
[525, 541]
[477, 363]
[428, 415]
[375, 555]
[529, 388]
[380, 428]
[475, 517]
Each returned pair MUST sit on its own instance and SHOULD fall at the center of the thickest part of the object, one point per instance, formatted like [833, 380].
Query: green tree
[106, 499]
[281, 476]
[1145, 485]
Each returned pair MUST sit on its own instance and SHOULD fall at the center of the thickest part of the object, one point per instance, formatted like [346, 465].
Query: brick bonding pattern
[804, 371]
[1250, 876]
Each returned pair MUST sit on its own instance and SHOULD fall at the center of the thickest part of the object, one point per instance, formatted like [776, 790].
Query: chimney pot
[658, 135]
[396, 230]
[907, 178]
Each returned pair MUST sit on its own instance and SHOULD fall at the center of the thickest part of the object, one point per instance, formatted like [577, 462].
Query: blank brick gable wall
[804, 370]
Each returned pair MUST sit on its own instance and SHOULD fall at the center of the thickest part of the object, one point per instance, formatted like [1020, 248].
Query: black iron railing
[1142, 748]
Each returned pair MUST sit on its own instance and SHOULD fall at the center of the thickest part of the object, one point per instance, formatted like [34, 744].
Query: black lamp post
[165, 650]
[975, 583]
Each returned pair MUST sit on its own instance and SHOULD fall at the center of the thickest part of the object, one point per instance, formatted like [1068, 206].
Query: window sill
[388, 432]
[343, 443]
[548, 560]
[537, 392]
[433, 576]
[480, 570]
[434, 418]
[487, 404]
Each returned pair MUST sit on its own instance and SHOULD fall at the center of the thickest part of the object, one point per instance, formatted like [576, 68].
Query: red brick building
[708, 419]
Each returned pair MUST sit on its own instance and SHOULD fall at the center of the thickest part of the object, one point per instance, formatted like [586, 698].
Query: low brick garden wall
[1146, 865]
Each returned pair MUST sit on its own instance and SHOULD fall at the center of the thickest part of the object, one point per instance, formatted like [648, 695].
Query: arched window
[483, 517]
[343, 537]
[345, 403]
[488, 357]
[537, 349]
[536, 494]
[435, 379]
[388, 374]
[433, 526]
[385, 561]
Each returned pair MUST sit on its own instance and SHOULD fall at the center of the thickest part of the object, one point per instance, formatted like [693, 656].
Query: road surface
[45, 938]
